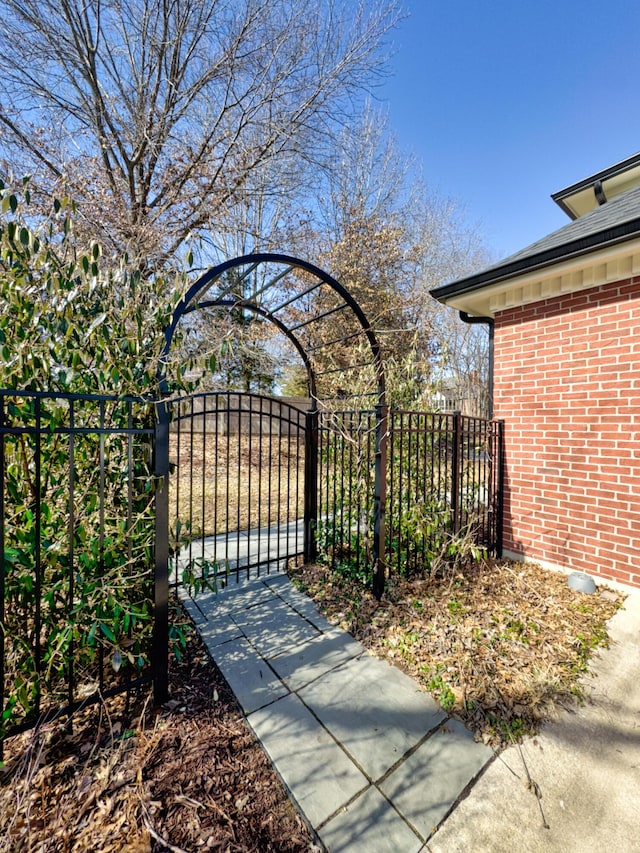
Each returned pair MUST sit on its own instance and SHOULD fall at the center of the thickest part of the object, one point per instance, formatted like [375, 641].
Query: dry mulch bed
[498, 644]
[186, 777]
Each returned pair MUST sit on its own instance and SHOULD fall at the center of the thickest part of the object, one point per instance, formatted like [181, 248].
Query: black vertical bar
[311, 484]
[275, 442]
[500, 490]
[357, 473]
[260, 470]
[38, 496]
[160, 649]
[402, 491]
[455, 470]
[130, 483]
[270, 477]
[391, 498]
[101, 501]
[370, 426]
[379, 500]
[340, 492]
[281, 443]
[473, 488]
[416, 420]
[435, 486]
[239, 405]
[464, 470]
[394, 522]
[216, 461]
[300, 445]
[227, 467]
[446, 482]
[322, 469]
[249, 462]
[176, 490]
[203, 478]
[71, 534]
[360, 436]
[191, 419]
[334, 507]
[487, 455]
[411, 481]
[289, 472]
[421, 479]
[426, 433]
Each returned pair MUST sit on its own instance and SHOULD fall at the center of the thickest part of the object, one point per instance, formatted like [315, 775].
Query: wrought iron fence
[443, 479]
[76, 551]
[444, 474]
[237, 491]
[346, 453]
[93, 527]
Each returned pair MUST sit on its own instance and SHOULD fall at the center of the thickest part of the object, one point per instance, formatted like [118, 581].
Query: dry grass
[235, 482]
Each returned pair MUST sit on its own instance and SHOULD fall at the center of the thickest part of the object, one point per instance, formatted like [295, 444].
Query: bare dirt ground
[500, 645]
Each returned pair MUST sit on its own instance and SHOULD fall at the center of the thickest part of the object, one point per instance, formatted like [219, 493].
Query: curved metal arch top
[307, 305]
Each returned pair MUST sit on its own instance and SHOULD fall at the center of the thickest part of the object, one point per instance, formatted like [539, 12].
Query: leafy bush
[436, 547]
[77, 516]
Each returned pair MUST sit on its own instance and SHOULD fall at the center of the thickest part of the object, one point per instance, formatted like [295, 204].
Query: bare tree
[157, 116]
[380, 230]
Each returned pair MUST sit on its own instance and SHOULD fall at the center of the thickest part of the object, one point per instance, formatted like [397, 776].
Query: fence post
[456, 460]
[499, 527]
[160, 662]
[310, 545]
[2, 565]
[379, 500]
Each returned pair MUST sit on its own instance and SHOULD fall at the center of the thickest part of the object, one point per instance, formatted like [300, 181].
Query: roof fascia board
[585, 183]
[570, 275]
[602, 239]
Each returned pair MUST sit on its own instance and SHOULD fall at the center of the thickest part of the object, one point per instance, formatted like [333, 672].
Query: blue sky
[504, 103]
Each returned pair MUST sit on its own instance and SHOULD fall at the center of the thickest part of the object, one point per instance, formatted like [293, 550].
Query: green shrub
[78, 511]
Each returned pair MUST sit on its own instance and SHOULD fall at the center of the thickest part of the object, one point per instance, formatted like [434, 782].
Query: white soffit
[568, 276]
[588, 194]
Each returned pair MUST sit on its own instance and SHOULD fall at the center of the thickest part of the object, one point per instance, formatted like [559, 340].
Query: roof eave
[599, 177]
[602, 240]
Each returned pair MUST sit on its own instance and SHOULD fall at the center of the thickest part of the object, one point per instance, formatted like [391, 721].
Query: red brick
[566, 385]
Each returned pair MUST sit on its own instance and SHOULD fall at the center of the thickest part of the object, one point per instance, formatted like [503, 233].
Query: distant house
[566, 322]
[466, 394]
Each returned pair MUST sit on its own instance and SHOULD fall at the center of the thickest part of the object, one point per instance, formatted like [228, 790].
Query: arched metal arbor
[336, 345]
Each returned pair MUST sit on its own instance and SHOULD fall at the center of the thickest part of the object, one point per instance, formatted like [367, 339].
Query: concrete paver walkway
[371, 761]
[376, 766]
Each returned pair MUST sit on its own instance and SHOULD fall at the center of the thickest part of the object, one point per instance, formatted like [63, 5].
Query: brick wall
[567, 384]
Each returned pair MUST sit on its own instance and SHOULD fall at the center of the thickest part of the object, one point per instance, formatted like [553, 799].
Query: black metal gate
[237, 487]
[240, 485]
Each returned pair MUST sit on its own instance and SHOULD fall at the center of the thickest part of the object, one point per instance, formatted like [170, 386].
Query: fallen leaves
[498, 645]
[189, 776]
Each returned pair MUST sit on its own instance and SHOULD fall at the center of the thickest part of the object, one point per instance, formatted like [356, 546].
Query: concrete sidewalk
[375, 765]
[370, 760]
[585, 765]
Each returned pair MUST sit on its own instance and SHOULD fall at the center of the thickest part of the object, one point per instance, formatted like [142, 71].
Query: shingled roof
[615, 222]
